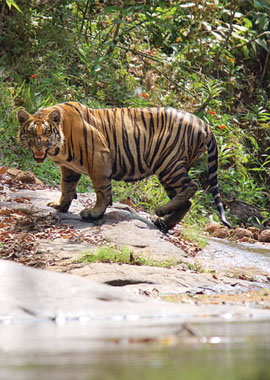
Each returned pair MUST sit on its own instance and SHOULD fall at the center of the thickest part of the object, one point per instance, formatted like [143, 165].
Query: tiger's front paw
[90, 214]
[62, 207]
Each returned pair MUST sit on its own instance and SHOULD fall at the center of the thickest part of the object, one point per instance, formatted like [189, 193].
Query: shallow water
[237, 254]
[229, 351]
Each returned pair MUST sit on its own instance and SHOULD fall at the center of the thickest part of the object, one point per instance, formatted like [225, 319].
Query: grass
[194, 235]
[123, 255]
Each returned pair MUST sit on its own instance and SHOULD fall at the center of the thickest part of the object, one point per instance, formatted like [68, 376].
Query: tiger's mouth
[40, 155]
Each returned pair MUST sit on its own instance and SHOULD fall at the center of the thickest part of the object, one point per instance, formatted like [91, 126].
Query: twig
[115, 35]
[264, 68]
[248, 42]
[205, 103]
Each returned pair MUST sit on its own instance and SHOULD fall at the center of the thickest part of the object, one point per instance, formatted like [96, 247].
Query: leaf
[3, 170]
[263, 44]
[261, 4]
[12, 3]
[217, 35]
[22, 200]
[245, 51]
[5, 211]
[187, 5]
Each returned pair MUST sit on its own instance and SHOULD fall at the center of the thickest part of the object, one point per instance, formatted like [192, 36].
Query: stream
[229, 351]
[211, 348]
[221, 253]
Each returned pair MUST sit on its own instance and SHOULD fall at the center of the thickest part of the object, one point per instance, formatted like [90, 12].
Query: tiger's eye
[48, 131]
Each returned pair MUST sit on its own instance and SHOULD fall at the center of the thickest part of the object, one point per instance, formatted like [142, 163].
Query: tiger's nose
[39, 141]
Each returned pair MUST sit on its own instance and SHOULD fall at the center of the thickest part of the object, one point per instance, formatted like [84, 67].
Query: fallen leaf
[5, 211]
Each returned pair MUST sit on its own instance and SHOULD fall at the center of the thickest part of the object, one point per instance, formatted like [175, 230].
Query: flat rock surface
[34, 294]
[111, 290]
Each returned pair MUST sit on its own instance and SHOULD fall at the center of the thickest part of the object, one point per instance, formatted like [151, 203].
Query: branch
[115, 35]
[248, 42]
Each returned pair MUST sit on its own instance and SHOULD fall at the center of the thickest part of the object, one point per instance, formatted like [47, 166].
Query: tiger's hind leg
[165, 224]
[180, 188]
[69, 182]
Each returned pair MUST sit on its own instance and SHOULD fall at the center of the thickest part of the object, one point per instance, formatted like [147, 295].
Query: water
[220, 253]
[229, 351]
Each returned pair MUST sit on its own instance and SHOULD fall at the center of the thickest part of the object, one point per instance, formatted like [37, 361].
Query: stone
[35, 295]
[24, 177]
[213, 227]
[221, 233]
[27, 177]
[241, 233]
[265, 236]
[217, 230]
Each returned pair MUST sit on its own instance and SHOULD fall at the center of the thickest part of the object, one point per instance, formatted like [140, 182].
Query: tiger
[126, 144]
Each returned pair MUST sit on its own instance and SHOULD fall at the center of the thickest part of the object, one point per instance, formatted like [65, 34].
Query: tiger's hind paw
[160, 223]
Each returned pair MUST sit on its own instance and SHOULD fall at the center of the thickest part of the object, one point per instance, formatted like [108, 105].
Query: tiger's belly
[124, 176]
[73, 165]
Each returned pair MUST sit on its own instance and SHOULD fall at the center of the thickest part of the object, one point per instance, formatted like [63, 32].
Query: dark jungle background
[207, 57]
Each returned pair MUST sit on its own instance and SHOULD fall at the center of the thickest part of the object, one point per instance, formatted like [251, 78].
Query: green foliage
[147, 194]
[208, 57]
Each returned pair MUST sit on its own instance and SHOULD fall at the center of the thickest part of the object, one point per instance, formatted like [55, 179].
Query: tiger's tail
[212, 174]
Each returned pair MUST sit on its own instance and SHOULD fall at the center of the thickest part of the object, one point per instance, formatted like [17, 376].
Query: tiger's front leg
[69, 182]
[103, 200]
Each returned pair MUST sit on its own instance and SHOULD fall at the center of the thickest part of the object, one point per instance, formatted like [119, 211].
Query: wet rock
[265, 236]
[241, 233]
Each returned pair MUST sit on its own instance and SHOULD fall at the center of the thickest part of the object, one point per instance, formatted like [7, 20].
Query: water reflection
[226, 356]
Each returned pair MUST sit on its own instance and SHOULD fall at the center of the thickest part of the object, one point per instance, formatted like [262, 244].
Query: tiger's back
[125, 144]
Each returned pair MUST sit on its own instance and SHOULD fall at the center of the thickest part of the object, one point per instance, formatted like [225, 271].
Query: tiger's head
[41, 132]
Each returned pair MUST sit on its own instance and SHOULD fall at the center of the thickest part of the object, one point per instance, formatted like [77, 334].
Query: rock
[28, 293]
[24, 177]
[253, 229]
[141, 236]
[222, 233]
[34, 295]
[213, 227]
[27, 177]
[265, 236]
[240, 233]
[246, 212]
[218, 230]
[13, 172]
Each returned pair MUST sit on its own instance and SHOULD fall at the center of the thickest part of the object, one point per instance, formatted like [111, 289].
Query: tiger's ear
[22, 116]
[55, 116]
